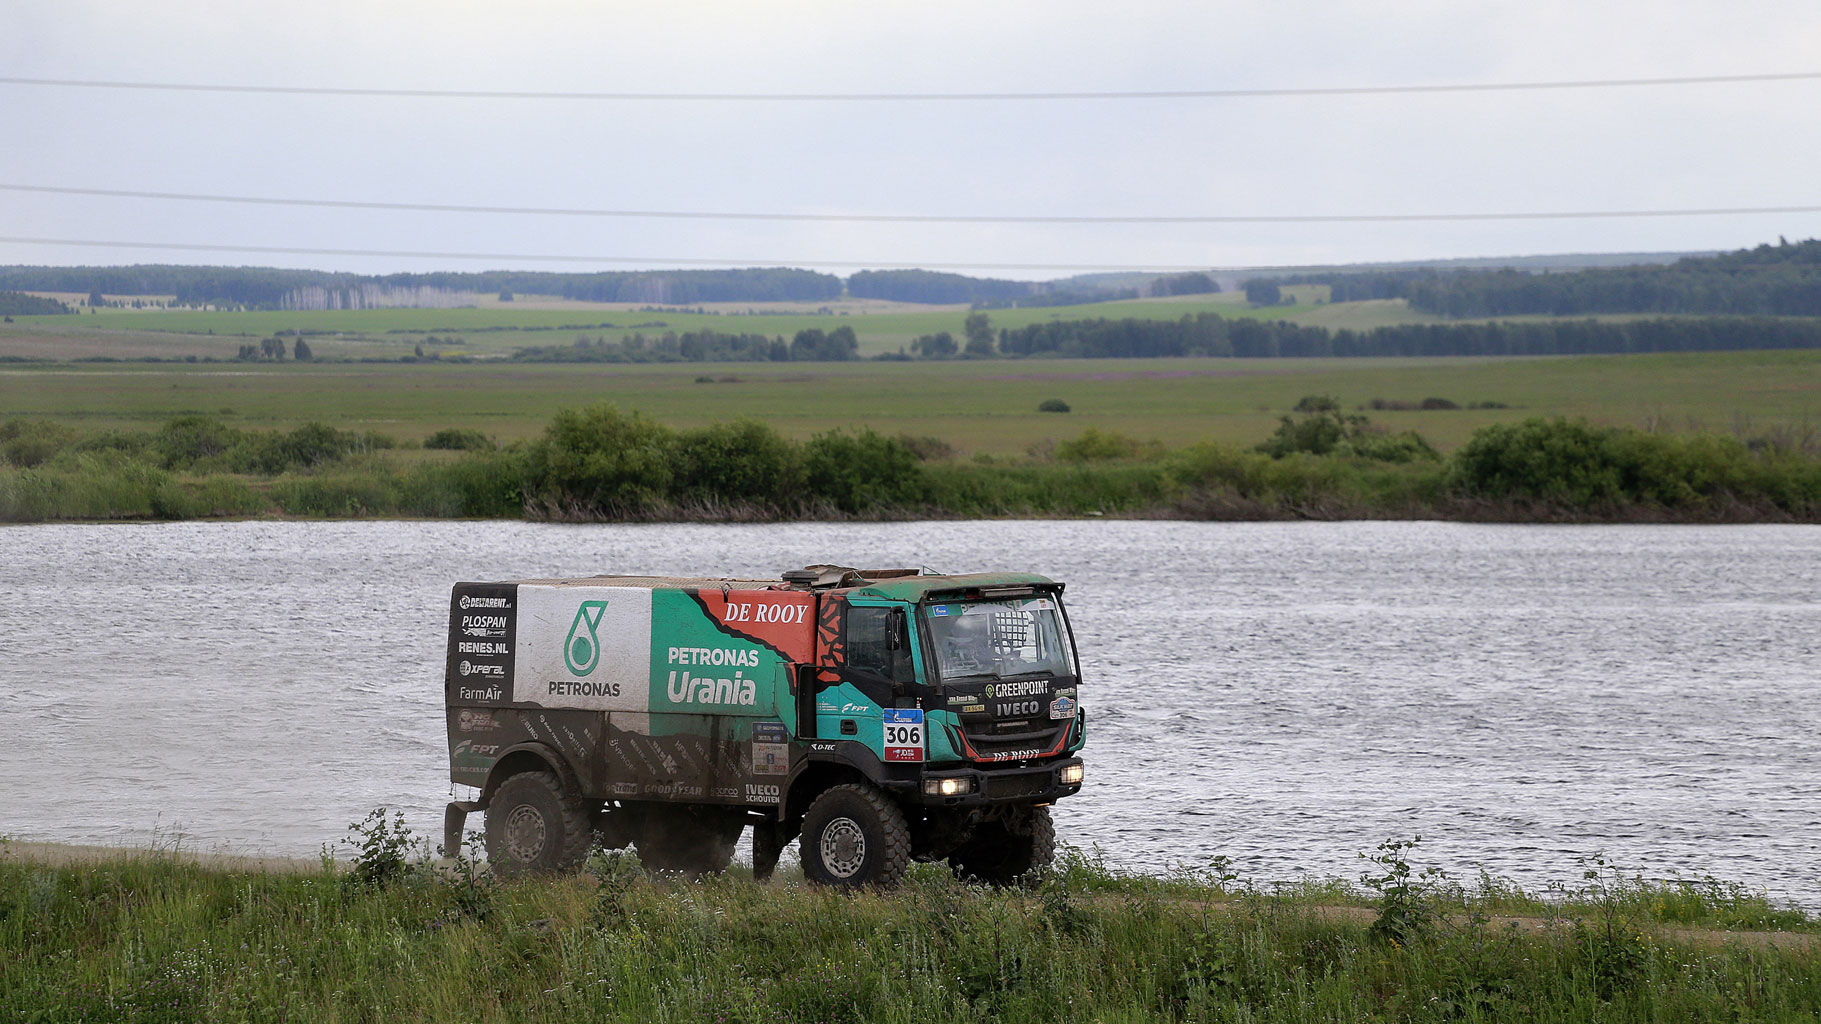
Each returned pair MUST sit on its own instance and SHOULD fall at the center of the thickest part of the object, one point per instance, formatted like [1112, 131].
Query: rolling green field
[499, 329]
[978, 407]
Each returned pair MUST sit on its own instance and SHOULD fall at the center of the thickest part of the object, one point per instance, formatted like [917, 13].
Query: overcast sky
[1597, 149]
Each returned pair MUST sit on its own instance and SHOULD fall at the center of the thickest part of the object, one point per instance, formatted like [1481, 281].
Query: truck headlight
[948, 787]
[1071, 774]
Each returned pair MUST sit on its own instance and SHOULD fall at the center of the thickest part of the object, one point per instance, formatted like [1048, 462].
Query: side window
[869, 644]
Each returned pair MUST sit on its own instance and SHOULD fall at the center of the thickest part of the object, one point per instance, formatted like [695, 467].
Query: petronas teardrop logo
[582, 648]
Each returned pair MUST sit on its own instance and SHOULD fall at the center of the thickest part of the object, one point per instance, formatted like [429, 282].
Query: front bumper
[1028, 784]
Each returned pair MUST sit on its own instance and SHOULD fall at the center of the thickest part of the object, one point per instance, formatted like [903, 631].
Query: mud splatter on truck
[880, 715]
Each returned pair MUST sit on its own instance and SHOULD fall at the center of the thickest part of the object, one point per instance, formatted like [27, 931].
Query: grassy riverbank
[155, 939]
[602, 464]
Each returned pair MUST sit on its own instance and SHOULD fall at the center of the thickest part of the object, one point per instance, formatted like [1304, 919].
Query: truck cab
[880, 715]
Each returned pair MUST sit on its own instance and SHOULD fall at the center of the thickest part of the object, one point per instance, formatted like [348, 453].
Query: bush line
[603, 464]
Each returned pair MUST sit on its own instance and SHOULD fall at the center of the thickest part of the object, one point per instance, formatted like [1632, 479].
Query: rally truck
[883, 716]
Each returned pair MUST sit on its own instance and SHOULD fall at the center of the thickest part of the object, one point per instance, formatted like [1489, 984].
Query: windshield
[999, 639]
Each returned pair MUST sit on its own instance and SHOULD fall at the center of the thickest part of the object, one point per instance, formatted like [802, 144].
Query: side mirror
[898, 640]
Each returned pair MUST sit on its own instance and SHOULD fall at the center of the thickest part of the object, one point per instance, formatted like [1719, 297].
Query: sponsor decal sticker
[683, 688]
[477, 749]
[1015, 708]
[1023, 688]
[903, 729]
[1015, 755]
[477, 721]
[783, 613]
[761, 793]
[582, 648]
[770, 749]
[1062, 708]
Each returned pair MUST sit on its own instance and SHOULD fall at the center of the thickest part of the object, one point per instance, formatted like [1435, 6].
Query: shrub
[309, 446]
[1322, 429]
[744, 462]
[1551, 460]
[927, 448]
[132, 443]
[600, 459]
[29, 443]
[1574, 465]
[187, 440]
[1406, 446]
[460, 439]
[1052, 405]
[861, 471]
[1095, 446]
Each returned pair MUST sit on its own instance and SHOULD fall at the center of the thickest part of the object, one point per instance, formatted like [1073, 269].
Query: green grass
[979, 407]
[495, 329]
[154, 939]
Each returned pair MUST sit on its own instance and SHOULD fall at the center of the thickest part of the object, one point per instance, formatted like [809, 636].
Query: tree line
[936, 288]
[1209, 335]
[21, 304]
[267, 287]
[705, 346]
[1769, 280]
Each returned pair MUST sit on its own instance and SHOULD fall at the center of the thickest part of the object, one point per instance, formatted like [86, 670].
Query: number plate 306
[903, 734]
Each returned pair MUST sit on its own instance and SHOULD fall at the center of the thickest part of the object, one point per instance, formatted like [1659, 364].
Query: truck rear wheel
[1002, 851]
[535, 826]
[853, 836]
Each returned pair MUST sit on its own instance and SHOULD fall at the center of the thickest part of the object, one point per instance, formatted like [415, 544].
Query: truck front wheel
[535, 826]
[853, 836]
[1004, 850]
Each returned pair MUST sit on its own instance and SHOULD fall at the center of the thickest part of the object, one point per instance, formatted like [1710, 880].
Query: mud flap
[455, 815]
[768, 842]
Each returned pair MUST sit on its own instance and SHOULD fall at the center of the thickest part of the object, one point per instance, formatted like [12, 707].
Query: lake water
[1284, 694]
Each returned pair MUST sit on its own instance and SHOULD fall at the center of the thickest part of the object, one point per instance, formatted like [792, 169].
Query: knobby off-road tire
[1001, 853]
[536, 826]
[853, 836]
[687, 841]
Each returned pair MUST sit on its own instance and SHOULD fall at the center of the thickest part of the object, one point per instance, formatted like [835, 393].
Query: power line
[921, 97]
[910, 218]
[653, 261]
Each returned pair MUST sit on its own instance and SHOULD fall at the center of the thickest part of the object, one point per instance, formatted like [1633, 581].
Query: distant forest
[928, 286]
[1211, 335]
[1770, 280]
[18, 304]
[270, 288]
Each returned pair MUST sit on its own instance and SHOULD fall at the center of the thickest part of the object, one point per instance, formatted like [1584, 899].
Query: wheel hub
[525, 834]
[843, 847]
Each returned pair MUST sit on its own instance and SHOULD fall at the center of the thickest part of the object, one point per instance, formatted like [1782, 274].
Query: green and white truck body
[884, 715]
